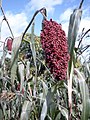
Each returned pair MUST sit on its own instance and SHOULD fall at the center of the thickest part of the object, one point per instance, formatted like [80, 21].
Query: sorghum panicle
[54, 44]
[9, 44]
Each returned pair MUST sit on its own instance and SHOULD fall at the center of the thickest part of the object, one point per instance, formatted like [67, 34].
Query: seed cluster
[9, 44]
[54, 44]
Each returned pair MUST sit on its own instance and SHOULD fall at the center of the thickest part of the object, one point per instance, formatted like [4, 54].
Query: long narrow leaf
[21, 73]
[44, 110]
[85, 95]
[26, 110]
[73, 28]
[70, 89]
[45, 89]
[32, 45]
[14, 58]
[64, 111]
[72, 33]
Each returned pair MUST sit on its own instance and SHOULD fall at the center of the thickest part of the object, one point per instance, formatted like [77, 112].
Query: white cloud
[49, 4]
[64, 19]
[66, 15]
[17, 22]
[85, 23]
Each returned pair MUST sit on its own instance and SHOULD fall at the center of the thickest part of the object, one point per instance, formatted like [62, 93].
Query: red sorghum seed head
[54, 44]
[9, 44]
[18, 88]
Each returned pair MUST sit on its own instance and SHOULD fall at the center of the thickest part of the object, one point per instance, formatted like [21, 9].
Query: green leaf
[1, 115]
[49, 98]
[32, 45]
[73, 28]
[64, 111]
[14, 57]
[72, 33]
[58, 116]
[45, 89]
[21, 73]
[26, 109]
[27, 70]
[44, 110]
[70, 88]
[49, 117]
[85, 95]
[89, 106]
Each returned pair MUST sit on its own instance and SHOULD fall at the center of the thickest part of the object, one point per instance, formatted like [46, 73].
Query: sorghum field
[44, 77]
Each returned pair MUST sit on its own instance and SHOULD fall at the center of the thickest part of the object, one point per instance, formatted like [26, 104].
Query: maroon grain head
[9, 44]
[54, 44]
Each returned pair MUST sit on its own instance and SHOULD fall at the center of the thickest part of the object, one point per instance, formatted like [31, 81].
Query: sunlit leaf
[26, 110]
[64, 111]
[45, 89]
[32, 45]
[44, 110]
[21, 73]
[1, 114]
[73, 28]
[74, 23]
[14, 58]
[58, 116]
[85, 95]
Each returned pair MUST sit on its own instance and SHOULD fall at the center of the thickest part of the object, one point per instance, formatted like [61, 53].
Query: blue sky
[20, 12]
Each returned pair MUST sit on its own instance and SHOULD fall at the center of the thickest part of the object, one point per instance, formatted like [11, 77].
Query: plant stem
[42, 10]
[7, 21]
[83, 37]
[81, 4]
